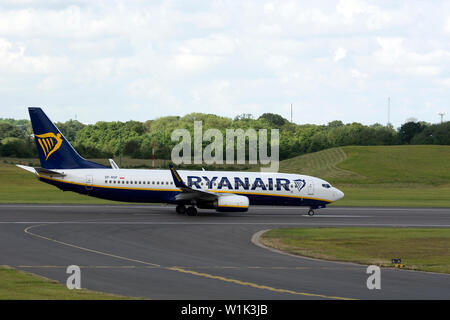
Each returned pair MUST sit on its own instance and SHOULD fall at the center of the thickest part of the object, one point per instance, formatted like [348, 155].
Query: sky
[95, 60]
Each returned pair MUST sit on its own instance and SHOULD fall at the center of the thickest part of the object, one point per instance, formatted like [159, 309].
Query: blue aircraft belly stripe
[128, 194]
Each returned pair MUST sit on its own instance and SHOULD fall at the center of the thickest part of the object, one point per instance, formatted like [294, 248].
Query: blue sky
[121, 60]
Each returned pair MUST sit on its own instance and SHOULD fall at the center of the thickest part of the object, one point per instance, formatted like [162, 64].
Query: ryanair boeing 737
[64, 168]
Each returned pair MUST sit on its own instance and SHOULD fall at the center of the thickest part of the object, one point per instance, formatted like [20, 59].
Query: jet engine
[232, 203]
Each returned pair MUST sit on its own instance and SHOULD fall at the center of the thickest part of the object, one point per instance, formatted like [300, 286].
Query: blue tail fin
[55, 152]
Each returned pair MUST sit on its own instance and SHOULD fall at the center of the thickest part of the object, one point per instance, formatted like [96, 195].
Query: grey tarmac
[150, 251]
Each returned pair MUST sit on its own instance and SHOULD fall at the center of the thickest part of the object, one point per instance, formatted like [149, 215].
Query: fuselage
[157, 186]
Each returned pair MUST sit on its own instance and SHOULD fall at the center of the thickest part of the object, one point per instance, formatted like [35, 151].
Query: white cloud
[218, 45]
[394, 55]
[355, 73]
[145, 59]
[13, 60]
[374, 17]
[339, 54]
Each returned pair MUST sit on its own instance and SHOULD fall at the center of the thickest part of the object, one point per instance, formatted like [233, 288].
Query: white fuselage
[260, 187]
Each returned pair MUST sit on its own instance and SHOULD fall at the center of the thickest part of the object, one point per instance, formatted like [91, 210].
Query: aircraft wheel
[180, 209]
[310, 212]
[191, 211]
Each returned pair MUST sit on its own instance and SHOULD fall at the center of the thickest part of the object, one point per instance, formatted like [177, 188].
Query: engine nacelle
[232, 203]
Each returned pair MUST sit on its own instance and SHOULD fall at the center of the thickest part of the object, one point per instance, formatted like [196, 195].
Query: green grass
[429, 165]
[395, 195]
[20, 186]
[413, 176]
[20, 285]
[425, 164]
[419, 248]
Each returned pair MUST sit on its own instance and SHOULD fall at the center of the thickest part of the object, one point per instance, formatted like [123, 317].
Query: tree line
[135, 139]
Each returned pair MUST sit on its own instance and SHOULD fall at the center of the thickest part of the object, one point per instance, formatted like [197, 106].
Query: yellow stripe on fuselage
[229, 206]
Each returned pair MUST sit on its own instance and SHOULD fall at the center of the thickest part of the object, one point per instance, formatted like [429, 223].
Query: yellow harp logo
[49, 143]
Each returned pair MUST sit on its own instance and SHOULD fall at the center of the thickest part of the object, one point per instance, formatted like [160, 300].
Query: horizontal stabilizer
[30, 169]
[49, 172]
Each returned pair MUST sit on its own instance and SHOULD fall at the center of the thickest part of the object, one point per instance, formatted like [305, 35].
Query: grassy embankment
[20, 285]
[369, 176]
[417, 176]
[419, 248]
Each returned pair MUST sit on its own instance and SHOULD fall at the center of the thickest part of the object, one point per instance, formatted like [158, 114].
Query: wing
[188, 193]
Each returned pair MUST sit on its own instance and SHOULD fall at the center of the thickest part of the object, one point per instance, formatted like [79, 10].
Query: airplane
[223, 191]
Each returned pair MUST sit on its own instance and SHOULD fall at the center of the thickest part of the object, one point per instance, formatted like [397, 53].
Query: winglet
[176, 178]
[113, 164]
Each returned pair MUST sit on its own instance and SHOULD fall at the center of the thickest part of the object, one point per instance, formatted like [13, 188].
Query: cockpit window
[326, 185]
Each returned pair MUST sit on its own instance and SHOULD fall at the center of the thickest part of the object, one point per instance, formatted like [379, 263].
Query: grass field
[19, 285]
[417, 176]
[420, 249]
[405, 164]
[20, 186]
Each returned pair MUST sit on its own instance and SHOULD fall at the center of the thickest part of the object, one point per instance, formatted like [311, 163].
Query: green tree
[434, 134]
[408, 130]
[273, 119]
[70, 129]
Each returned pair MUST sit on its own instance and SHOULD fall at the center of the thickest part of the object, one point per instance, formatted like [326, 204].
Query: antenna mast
[291, 112]
[389, 111]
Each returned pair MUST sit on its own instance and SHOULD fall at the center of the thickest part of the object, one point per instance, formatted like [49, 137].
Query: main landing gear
[190, 211]
[310, 212]
[180, 209]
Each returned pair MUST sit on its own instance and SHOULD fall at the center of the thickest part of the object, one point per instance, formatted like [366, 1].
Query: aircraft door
[89, 182]
[310, 188]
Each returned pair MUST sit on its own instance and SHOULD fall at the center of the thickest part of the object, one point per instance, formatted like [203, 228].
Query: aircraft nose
[339, 194]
